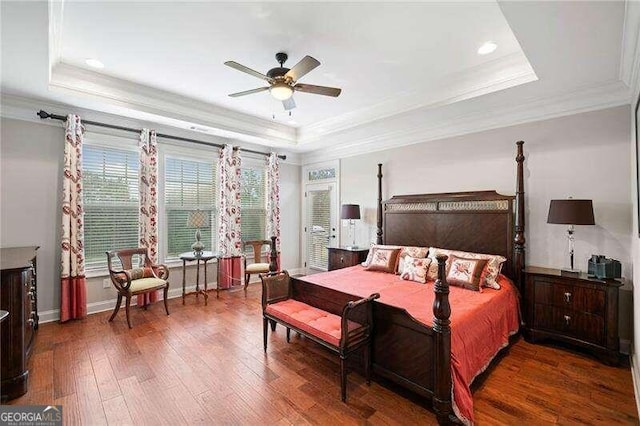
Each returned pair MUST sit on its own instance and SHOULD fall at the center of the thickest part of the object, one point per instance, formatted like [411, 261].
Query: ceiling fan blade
[301, 68]
[289, 104]
[248, 70]
[318, 90]
[249, 92]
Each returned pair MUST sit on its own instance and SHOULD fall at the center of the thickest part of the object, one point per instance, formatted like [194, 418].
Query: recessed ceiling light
[487, 48]
[94, 63]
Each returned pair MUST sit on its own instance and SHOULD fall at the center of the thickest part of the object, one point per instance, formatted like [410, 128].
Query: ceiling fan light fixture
[281, 91]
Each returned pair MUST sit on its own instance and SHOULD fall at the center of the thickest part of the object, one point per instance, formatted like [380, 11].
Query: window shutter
[189, 185]
[319, 229]
[111, 210]
[252, 203]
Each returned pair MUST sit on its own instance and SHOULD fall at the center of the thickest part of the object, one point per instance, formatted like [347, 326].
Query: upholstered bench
[342, 334]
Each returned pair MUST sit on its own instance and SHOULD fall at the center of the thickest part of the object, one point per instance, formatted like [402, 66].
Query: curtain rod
[44, 115]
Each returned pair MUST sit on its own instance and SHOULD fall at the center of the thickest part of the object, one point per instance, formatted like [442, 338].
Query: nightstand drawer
[580, 325]
[567, 295]
[342, 257]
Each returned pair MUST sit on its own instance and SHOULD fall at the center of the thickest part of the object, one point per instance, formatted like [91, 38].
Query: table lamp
[571, 212]
[351, 212]
[198, 219]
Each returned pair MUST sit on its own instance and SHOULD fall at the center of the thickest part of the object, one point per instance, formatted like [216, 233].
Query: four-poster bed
[415, 324]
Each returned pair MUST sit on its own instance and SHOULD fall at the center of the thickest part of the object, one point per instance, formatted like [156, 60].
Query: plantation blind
[189, 185]
[252, 203]
[318, 228]
[110, 185]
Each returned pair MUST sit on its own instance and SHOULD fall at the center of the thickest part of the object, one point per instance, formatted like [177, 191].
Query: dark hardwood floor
[205, 365]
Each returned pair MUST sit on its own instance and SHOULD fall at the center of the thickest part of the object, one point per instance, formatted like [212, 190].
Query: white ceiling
[407, 70]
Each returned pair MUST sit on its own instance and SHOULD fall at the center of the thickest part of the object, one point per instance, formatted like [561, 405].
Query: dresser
[342, 257]
[577, 310]
[19, 297]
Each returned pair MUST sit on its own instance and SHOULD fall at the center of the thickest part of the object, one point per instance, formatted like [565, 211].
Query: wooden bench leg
[343, 378]
[288, 335]
[273, 325]
[367, 363]
[265, 332]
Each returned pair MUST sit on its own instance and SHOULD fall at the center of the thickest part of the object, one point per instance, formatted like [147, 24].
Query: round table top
[205, 255]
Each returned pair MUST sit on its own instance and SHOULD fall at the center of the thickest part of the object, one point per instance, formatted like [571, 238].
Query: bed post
[379, 230]
[519, 238]
[442, 403]
[273, 255]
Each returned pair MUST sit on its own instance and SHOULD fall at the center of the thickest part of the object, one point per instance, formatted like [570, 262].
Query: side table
[204, 257]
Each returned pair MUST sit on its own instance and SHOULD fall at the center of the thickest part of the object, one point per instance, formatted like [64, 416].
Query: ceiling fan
[284, 81]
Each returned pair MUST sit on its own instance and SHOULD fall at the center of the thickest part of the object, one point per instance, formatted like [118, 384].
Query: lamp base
[566, 272]
[353, 247]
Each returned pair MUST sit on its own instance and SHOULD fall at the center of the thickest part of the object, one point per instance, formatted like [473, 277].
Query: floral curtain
[229, 230]
[273, 201]
[73, 289]
[148, 194]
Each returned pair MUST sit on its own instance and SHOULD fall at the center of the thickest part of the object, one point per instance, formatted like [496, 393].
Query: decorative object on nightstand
[351, 212]
[198, 219]
[571, 212]
[603, 268]
[577, 310]
[343, 257]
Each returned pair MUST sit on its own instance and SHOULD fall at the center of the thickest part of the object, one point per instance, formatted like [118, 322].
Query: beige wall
[584, 156]
[30, 180]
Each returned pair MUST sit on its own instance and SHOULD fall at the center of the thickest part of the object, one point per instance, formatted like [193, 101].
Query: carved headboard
[479, 222]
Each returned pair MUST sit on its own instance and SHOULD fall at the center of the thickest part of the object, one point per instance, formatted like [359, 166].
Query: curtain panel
[73, 289]
[273, 202]
[148, 195]
[229, 229]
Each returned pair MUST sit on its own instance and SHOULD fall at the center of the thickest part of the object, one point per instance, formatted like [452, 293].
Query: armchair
[132, 281]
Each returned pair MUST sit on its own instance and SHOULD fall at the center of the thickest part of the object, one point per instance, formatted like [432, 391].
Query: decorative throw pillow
[370, 254]
[383, 259]
[137, 273]
[492, 269]
[466, 273]
[415, 252]
[415, 269]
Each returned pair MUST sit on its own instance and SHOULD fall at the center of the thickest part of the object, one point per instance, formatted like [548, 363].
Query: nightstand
[342, 257]
[578, 310]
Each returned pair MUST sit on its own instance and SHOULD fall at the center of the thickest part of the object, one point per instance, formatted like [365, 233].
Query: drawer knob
[567, 319]
[341, 259]
[567, 297]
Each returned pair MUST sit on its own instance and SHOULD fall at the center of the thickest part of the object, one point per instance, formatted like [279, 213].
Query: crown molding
[630, 52]
[418, 126]
[25, 108]
[502, 73]
[73, 80]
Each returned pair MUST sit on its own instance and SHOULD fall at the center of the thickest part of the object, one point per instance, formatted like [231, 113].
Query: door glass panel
[318, 228]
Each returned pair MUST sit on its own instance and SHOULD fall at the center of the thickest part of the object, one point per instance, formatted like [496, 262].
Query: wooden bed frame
[406, 351]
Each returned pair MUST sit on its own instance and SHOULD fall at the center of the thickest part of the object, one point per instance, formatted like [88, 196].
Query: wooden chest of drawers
[573, 309]
[340, 257]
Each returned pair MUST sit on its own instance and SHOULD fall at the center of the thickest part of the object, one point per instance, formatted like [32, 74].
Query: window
[189, 185]
[110, 179]
[252, 203]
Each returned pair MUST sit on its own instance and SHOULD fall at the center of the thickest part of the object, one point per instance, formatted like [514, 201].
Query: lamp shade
[350, 211]
[571, 212]
[198, 219]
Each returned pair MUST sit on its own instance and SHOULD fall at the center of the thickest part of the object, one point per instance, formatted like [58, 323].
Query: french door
[320, 227]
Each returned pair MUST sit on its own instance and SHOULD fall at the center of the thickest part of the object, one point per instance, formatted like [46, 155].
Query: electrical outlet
[106, 283]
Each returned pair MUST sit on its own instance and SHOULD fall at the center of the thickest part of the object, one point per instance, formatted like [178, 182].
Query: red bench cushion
[314, 321]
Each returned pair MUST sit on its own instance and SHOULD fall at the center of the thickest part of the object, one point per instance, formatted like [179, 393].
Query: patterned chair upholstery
[131, 281]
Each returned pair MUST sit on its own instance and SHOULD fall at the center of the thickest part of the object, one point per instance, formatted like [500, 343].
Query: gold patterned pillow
[492, 269]
[466, 273]
[415, 269]
[383, 259]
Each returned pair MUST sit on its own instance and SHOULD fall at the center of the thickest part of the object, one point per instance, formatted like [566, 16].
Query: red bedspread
[481, 322]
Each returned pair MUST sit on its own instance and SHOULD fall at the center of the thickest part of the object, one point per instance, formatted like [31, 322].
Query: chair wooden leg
[343, 378]
[127, 309]
[288, 334]
[166, 294]
[273, 325]
[117, 308]
[265, 331]
[247, 277]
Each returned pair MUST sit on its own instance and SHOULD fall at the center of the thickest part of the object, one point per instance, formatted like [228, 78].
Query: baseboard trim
[625, 346]
[635, 376]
